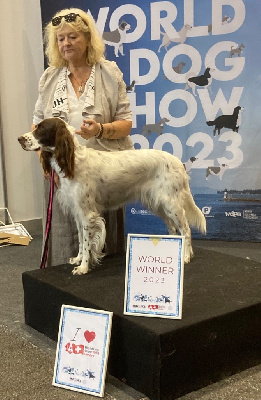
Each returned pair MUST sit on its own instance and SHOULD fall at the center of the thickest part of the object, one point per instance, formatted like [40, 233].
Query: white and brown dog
[116, 38]
[216, 171]
[93, 181]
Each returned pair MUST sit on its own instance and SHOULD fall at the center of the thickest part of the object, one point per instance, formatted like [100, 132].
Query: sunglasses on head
[68, 18]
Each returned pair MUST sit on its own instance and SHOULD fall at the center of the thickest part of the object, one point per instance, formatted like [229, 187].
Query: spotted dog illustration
[232, 121]
[188, 164]
[157, 128]
[202, 81]
[238, 50]
[180, 38]
[116, 38]
[225, 20]
[130, 88]
[216, 171]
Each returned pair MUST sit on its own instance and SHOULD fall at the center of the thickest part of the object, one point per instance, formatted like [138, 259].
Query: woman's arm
[112, 130]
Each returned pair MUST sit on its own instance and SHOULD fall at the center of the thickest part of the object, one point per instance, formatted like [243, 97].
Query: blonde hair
[95, 49]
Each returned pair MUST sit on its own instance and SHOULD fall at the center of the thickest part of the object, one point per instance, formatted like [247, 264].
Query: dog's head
[187, 27]
[53, 138]
[124, 26]
[238, 109]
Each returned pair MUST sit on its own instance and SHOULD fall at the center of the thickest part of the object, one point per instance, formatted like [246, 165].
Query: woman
[89, 93]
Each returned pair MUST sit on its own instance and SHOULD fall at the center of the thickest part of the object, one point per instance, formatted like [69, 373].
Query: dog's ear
[45, 158]
[64, 151]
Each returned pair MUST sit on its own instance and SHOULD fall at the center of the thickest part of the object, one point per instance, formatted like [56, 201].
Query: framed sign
[82, 350]
[154, 276]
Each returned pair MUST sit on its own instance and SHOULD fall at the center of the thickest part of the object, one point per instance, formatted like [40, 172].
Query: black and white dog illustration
[200, 82]
[157, 128]
[238, 50]
[116, 38]
[232, 121]
[225, 20]
[130, 88]
[188, 164]
[216, 171]
[180, 38]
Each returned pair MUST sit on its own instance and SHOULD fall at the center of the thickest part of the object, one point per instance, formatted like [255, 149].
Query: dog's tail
[210, 123]
[194, 215]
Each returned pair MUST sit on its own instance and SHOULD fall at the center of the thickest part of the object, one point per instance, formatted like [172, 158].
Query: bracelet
[100, 133]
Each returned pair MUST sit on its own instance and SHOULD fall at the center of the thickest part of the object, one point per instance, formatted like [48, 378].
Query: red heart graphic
[89, 336]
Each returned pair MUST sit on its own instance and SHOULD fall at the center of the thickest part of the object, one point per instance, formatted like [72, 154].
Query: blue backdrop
[163, 47]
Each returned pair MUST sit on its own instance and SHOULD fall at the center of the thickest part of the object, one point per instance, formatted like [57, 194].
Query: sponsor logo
[153, 306]
[206, 211]
[233, 214]
[248, 214]
[134, 211]
[138, 306]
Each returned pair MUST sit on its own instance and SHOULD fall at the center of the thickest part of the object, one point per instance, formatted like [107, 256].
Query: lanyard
[48, 222]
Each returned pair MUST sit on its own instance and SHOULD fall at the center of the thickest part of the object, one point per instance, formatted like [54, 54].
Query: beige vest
[110, 102]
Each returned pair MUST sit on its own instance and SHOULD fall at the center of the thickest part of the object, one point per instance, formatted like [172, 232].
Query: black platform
[219, 333]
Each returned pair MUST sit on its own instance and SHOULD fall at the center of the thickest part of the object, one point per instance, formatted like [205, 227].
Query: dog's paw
[81, 270]
[186, 259]
[75, 260]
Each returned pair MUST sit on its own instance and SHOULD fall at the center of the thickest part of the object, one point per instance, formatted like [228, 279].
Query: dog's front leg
[77, 260]
[121, 49]
[84, 255]
[86, 235]
[116, 50]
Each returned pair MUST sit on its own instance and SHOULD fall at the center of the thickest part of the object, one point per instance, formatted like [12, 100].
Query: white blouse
[76, 105]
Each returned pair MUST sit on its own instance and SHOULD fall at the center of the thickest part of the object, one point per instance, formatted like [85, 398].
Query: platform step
[219, 333]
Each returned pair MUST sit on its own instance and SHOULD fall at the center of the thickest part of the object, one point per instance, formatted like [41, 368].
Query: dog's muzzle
[22, 141]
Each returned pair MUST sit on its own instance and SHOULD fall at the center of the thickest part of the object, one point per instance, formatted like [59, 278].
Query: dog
[93, 181]
[130, 88]
[182, 35]
[116, 38]
[188, 164]
[225, 20]
[201, 81]
[217, 171]
[157, 128]
[237, 50]
[227, 121]
[178, 68]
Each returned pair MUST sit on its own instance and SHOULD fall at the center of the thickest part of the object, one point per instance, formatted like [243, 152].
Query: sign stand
[82, 350]
[154, 276]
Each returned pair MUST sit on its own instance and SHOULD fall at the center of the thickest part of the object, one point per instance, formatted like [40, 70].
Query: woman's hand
[111, 130]
[89, 128]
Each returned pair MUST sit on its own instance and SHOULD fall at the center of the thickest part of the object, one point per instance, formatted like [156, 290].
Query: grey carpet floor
[26, 374]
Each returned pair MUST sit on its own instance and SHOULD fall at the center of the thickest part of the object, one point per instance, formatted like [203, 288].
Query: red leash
[48, 222]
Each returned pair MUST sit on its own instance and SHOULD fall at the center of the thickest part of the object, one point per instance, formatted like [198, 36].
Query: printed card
[82, 350]
[154, 276]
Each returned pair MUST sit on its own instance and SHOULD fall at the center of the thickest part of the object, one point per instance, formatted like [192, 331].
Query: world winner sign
[154, 276]
[161, 265]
